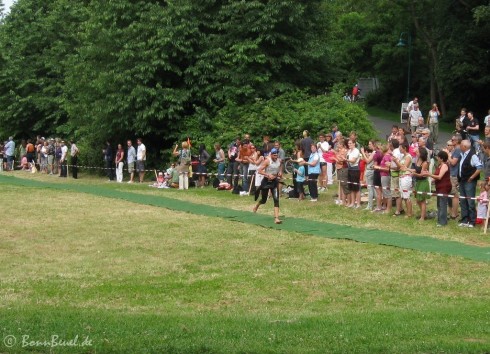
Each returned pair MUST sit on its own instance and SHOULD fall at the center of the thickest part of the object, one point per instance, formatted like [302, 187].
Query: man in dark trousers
[469, 172]
[109, 160]
[306, 148]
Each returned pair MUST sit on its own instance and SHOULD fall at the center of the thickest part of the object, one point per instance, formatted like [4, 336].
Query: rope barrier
[213, 174]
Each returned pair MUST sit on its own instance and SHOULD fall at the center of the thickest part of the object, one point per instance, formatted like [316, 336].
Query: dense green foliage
[450, 57]
[151, 68]
[165, 70]
[285, 117]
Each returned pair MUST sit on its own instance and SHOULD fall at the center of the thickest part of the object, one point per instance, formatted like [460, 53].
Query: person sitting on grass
[160, 181]
[24, 164]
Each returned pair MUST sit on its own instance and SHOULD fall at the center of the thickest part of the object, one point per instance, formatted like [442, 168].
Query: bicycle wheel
[289, 167]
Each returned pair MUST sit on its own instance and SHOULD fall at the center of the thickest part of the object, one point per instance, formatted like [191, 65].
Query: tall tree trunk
[435, 84]
[436, 81]
[432, 83]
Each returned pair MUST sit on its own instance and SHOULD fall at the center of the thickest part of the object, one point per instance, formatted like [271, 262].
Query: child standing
[481, 211]
[300, 178]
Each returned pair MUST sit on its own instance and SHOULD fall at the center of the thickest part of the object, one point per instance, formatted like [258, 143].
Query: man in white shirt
[74, 151]
[131, 160]
[10, 153]
[487, 118]
[414, 116]
[395, 175]
[63, 162]
[412, 104]
[140, 159]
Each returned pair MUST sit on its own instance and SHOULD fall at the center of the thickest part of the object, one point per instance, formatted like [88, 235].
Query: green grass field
[129, 277]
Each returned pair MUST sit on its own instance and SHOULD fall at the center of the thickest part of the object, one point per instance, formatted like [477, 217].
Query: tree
[450, 58]
[158, 69]
[33, 52]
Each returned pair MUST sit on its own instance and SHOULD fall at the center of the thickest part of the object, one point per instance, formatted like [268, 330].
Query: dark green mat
[304, 226]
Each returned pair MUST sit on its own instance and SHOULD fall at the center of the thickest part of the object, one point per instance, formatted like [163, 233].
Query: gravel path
[383, 128]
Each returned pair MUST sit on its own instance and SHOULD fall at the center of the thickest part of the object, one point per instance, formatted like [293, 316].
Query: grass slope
[137, 278]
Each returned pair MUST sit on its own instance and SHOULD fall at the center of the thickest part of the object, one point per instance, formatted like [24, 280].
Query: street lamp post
[402, 43]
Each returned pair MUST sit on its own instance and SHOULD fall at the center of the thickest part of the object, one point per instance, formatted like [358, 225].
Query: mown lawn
[141, 279]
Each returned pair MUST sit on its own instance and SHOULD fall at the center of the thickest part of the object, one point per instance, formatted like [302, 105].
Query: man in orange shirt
[243, 155]
[30, 151]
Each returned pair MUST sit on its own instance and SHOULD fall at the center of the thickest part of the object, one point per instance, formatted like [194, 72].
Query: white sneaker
[463, 224]
[130, 181]
[313, 200]
[470, 225]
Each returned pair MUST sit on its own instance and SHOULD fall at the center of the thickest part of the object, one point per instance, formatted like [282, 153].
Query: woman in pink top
[384, 168]
[413, 147]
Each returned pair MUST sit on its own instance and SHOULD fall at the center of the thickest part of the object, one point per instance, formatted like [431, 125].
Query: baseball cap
[274, 151]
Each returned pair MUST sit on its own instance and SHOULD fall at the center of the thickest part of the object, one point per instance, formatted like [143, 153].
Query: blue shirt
[300, 176]
[10, 148]
[314, 169]
[131, 155]
[453, 170]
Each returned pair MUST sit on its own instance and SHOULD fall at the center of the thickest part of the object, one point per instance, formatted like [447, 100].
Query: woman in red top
[443, 186]
[119, 163]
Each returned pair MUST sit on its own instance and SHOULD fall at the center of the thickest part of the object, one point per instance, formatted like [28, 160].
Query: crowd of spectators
[47, 156]
[408, 166]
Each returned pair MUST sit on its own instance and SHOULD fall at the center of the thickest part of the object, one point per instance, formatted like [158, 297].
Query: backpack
[236, 189]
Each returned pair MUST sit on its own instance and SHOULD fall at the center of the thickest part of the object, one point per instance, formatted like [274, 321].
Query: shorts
[342, 177]
[50, 159]
[395, 185]
[406, 186]
[131, 167]
[377, 178]
[385, 183]
[454, 186]
[354, 178]
[140, 166]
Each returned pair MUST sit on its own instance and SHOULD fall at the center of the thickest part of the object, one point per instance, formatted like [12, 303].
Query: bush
[285, 117]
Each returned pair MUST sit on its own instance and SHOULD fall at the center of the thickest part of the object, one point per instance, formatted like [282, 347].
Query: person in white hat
[300, 178]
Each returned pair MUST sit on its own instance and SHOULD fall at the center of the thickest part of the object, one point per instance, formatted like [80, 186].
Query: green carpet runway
[299, 225]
